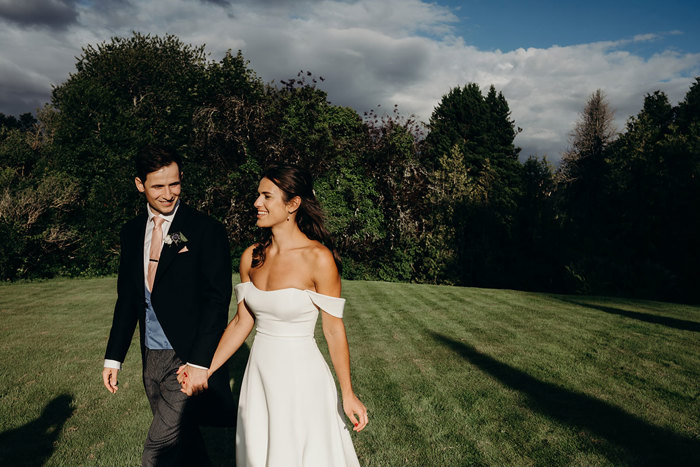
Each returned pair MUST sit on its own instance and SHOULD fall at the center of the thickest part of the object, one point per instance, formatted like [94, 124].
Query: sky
[547, 57]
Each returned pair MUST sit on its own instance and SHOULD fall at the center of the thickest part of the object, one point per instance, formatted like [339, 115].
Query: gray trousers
[173, 438]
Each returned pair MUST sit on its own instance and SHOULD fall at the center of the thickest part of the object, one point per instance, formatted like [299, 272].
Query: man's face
[162, 188]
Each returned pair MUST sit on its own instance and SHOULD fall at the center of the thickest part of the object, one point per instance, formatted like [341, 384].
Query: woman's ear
[293, 204]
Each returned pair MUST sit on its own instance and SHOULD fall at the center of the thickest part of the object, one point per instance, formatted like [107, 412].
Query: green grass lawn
[450, 375]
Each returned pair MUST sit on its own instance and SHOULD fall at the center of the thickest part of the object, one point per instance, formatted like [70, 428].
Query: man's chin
[165, 209]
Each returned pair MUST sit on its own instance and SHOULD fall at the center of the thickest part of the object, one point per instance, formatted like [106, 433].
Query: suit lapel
[180, 223]
[139, 237]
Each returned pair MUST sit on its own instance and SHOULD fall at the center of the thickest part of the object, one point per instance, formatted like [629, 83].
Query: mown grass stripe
[518, 378]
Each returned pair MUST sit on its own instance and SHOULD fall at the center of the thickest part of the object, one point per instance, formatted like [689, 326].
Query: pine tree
[592, 134]
[478, 128]
[461, 118]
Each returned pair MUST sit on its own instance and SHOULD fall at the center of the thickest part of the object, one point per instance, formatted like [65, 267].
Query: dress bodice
[289, 312]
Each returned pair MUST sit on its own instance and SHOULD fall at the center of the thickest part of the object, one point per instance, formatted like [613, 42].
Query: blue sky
[546, 57]
[508, 25]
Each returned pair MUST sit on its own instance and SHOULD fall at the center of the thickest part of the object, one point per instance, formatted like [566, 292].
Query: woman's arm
[334, 332]
[235, 334]
[240, 326]
[327, 282]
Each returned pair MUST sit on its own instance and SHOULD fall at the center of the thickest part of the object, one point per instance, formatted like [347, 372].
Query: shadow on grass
[642, 442]
[675, 323]
[33, 443]
[221, 442]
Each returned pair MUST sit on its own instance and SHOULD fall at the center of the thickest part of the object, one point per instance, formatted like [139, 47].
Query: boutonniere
[176, 238]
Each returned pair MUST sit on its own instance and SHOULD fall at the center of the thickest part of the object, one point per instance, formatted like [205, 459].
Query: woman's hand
[356, 412]
[182, 378]
[193, 380]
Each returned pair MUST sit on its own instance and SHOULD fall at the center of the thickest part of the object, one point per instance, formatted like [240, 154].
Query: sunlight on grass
[450, 375]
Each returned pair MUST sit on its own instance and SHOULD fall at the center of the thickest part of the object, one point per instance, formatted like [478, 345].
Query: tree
[688, 111]
[592, 134]
[237, 136]
[35, 203]
[25, 121]
[392, 161]
[480, 130]
[655, 191]
[582, 181]
[538, 238]
[461, 118]
[452, 190]
[126, 93]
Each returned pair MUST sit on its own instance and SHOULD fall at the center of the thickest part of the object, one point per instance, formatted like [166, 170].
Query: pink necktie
[154, 254]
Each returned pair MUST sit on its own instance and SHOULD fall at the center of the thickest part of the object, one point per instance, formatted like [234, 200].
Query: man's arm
[123, 323]
[216, 292]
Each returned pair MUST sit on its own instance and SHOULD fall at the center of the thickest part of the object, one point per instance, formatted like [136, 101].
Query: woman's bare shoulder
[324, 271]
[319, 255]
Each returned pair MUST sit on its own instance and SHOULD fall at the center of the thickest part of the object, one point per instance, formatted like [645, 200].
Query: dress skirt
[289, 413]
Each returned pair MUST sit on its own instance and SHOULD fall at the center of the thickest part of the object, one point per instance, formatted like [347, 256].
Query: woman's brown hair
[295, 181]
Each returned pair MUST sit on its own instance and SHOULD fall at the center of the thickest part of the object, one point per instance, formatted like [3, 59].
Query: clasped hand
[193, 380]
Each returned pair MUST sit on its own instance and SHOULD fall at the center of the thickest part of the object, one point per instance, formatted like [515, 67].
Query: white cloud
[395, 18]
[645, 37]
[393, 52]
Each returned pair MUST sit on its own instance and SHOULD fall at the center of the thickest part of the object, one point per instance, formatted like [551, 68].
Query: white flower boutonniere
[176, 238]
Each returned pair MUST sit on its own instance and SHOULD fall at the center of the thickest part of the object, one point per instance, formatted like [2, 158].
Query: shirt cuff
[197, 366]
[113, 364]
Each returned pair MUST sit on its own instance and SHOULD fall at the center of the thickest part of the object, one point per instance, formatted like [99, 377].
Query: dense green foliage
[631, 208]
[443, 202]
[451, 376]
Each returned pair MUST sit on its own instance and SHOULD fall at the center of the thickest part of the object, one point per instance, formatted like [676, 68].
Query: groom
[175, 281]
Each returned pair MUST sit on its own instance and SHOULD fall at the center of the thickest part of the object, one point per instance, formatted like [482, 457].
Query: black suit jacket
[191, 296]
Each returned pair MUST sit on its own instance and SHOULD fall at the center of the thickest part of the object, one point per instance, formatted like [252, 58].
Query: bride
[289, 412]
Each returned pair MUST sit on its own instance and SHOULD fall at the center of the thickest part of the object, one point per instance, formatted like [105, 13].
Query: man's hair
[151, 158]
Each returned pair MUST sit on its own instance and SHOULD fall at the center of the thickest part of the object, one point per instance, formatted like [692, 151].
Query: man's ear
[139, 185]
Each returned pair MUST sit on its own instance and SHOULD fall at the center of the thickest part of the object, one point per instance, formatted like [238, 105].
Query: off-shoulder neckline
[290, 288]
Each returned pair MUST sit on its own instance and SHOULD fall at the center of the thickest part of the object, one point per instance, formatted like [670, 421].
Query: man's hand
[193, 380]
[109, 378]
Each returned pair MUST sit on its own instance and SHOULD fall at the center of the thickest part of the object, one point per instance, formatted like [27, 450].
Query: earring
[288, 213]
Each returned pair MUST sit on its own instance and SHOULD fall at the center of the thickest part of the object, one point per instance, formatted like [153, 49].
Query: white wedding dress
[289, 413]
